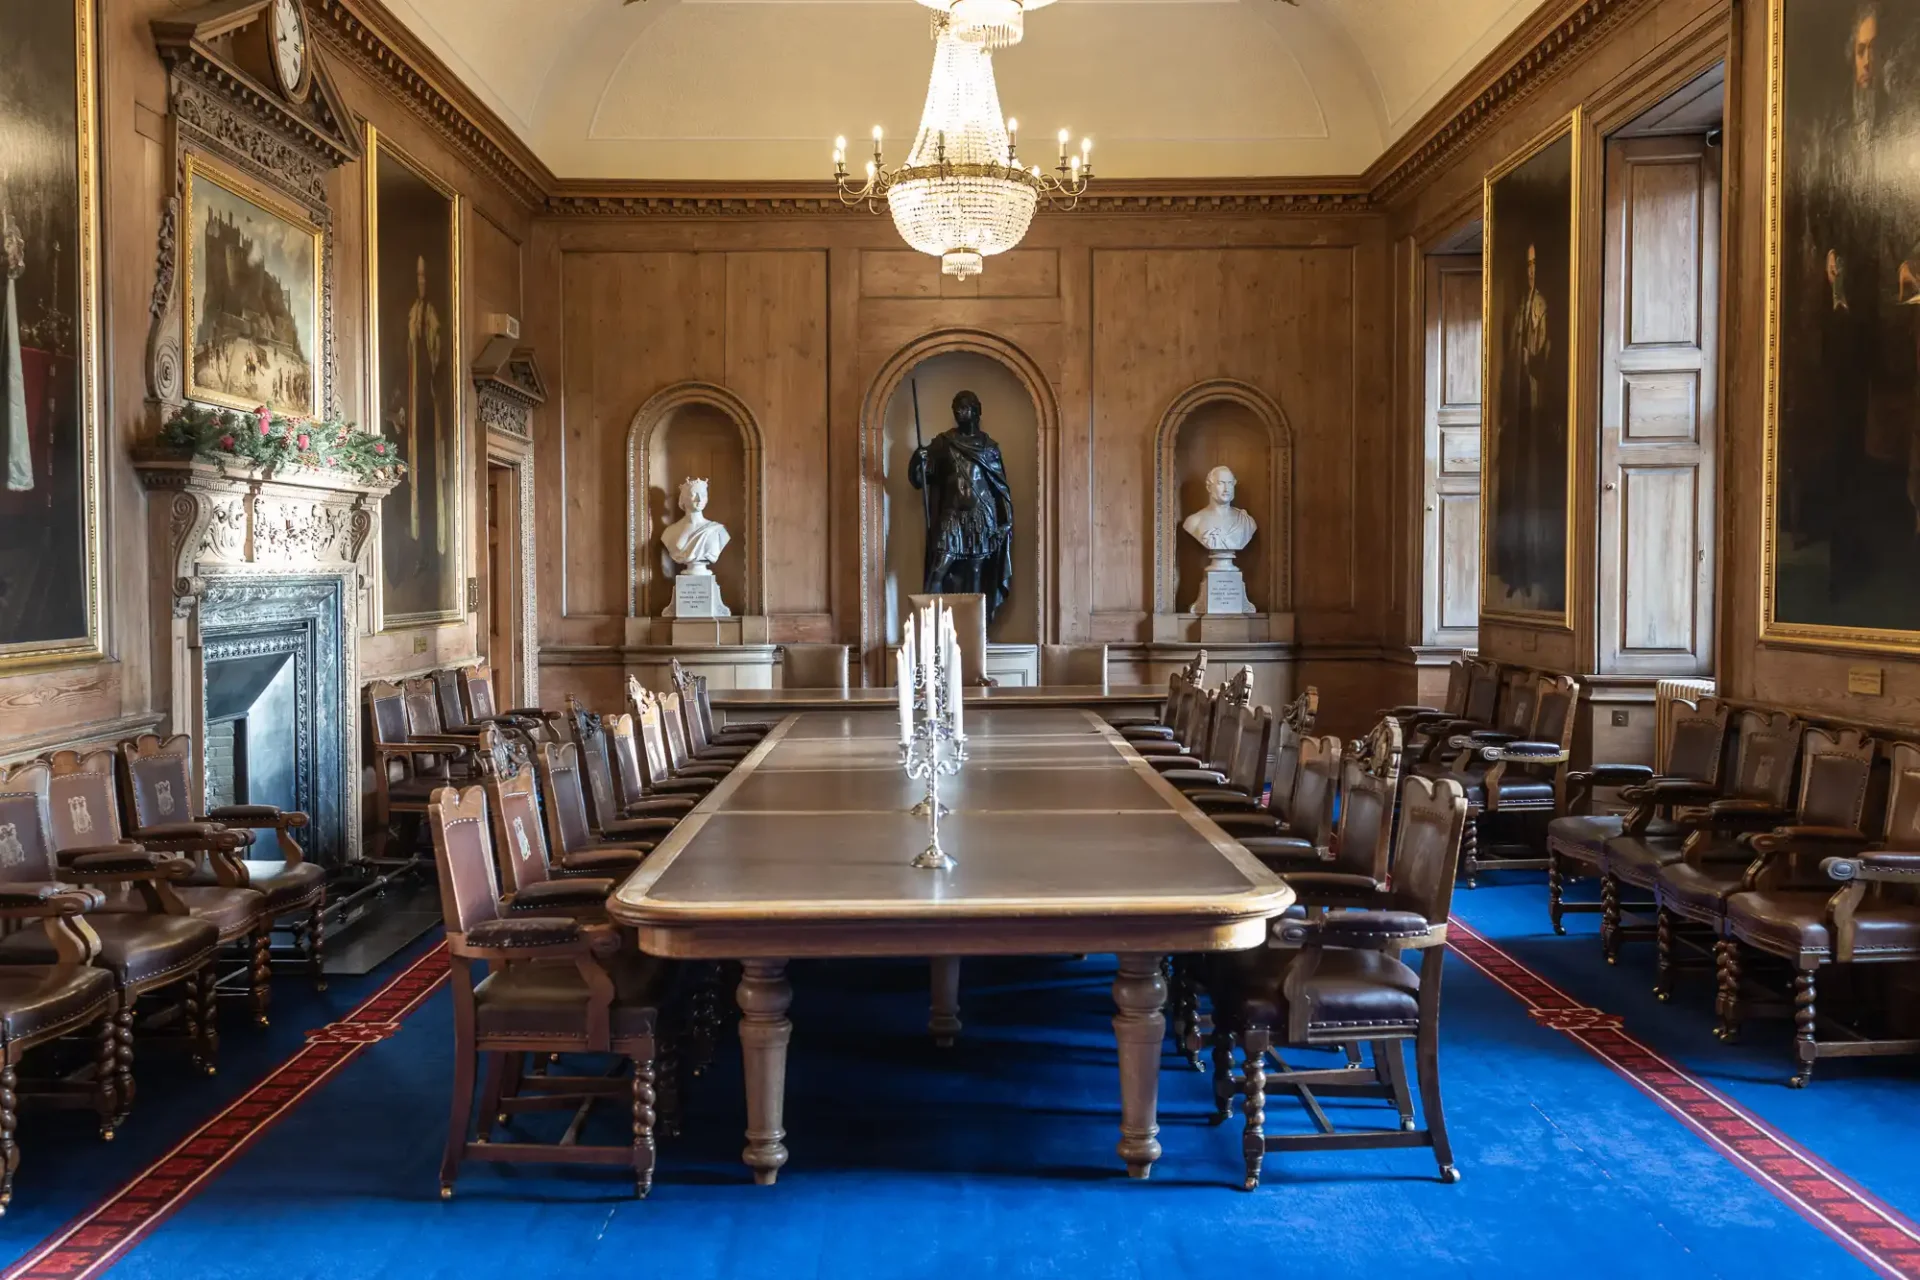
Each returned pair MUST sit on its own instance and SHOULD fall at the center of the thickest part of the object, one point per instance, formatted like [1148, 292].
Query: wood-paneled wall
[107, 699]
[803, 316]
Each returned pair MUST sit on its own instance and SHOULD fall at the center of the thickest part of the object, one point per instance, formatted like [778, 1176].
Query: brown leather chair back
[463, 850]
[1383, 750]
[1556, 698]
[589, 732]
[1483, 692]
[673, 727]
[629, 780]
[26, 838]
[1459, 682]
[1901, 827]
[1519, 704]
[1426, 848]
[1074, 664]
[386, 713]
[1294, 722]
[1836, 767]
[1366, 822]
[1765, 744]
[655, 759]
[158, 780]
[519, 847]
[699, 713]
[560, 784]
[1697, 742]
[1223, 731]
[1311, 814]
[813, 666]
[453, 709]
[81, 801]
[476, 683]
[1247, 773]
[970, 625]
[423, 706]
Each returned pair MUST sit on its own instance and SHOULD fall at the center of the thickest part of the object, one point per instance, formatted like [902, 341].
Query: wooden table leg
[944, 1022]
[1140, 1027]
[765, 995]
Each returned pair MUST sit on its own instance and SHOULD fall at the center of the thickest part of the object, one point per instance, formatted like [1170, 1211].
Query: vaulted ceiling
[757, 89]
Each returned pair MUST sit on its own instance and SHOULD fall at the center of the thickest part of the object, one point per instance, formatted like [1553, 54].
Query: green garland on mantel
[261, 438]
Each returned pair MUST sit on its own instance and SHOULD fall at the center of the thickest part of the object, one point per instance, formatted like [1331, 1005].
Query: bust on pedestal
[1222, 529]
[694, 542]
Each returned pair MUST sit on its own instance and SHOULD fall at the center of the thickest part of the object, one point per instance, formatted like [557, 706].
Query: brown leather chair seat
[1585, 836]
[1361, 990]
[33, 999]
[1638, 860]
[605, 862]
[548, 998]
[1794, 922]
[286, 887]
[243, 813]
[137, 949]
[232, 911]
[1512, 789]
[1699, 892]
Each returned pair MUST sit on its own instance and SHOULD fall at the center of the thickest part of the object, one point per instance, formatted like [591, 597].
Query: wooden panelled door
[503, 599]
[1451, 568]
[1659, 412]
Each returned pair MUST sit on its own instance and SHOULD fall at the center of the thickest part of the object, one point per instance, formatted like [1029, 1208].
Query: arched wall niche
[949, 355]
[696, 429]
[1223, 422]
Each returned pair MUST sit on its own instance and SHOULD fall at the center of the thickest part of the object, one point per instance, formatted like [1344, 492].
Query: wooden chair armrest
[1883, 867]
[43, 899]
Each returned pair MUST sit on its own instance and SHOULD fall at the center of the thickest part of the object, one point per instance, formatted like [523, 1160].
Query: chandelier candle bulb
[904, 672]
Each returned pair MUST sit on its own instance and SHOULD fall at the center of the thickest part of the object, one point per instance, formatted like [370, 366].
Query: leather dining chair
[576, 845]
[630, 796]
[554, 984]
[1342, 979]
[970, 628]
[698, 702]
[1138, 727]
[656, 752]
[1082, 665]
[526, 878]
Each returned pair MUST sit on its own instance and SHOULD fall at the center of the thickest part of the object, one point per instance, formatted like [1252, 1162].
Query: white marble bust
[1220, 526]
[693, 541]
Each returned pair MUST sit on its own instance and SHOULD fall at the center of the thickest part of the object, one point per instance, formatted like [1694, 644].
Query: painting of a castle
[253, 301]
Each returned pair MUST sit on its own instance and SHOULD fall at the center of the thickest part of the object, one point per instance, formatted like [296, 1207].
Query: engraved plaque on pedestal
[1226, 593]
[696, 595]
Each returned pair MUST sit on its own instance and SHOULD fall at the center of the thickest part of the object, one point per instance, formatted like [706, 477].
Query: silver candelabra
[934, 749]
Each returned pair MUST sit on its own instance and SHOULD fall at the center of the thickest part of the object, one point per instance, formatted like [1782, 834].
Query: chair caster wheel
[260, 1020]
[320, 986]
[106, 1133]
[1613, 959]
[211, 1070]
[1251, 1184]
[501, 1118]
[1798, 1082]
[1449, 1174]
[1406, 1125]
[641, 1190]
[1663, 995]
[446, 1191]
[1559, 929]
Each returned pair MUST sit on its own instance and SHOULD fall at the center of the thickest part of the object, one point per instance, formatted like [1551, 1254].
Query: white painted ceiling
[757, 89]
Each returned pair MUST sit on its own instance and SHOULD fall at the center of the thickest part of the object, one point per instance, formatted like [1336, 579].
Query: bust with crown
[693, 543]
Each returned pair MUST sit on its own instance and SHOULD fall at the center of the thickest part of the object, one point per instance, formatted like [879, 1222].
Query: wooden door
[1451, 568]
[1659, 412]
[503, 600]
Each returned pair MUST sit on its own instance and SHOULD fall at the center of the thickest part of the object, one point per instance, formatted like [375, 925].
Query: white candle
[953, 685]
[905, 682]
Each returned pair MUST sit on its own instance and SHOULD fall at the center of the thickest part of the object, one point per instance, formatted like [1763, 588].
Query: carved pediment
[510, 387]
[225, 47]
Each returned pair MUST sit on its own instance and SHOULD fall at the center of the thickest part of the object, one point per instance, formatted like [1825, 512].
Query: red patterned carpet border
[1871, 1230]
[91, 1243]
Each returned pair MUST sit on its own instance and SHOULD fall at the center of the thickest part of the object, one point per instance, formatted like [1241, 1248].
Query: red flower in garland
[300, 441]
[226, 442]
[380, 449]
[265, 419]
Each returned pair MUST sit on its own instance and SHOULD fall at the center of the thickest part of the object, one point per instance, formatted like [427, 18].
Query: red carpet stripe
[1871, 1230]
[91, 1243]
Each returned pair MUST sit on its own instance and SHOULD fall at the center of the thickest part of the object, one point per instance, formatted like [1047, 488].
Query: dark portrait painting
[48, 415]
[1844, 462]
[415, 297]
[1529, 299]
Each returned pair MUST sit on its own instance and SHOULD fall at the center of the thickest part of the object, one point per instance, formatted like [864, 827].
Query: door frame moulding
[873, 492]
[659, 411]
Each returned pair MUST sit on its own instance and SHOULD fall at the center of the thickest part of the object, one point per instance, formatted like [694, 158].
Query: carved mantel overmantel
[233, 518]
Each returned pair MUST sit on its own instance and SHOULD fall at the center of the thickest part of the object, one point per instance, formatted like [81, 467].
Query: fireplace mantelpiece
[259, 553]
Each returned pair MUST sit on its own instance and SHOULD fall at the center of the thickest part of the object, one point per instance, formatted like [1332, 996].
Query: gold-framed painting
[1530, 307]
[51, 411]
[413, 321]
[1841, 509]
[253, 294]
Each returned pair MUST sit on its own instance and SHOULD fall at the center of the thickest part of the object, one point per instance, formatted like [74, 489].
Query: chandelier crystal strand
[963, 195]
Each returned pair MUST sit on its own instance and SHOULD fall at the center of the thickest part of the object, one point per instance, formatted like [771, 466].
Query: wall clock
[287, 38]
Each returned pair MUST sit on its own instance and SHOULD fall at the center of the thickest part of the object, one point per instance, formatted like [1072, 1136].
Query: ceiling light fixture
[963, 194]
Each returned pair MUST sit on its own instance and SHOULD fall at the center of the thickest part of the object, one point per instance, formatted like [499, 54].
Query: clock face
[289, 43]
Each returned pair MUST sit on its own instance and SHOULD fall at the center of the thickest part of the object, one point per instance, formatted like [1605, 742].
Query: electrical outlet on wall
[1620, 719]
[419, 644]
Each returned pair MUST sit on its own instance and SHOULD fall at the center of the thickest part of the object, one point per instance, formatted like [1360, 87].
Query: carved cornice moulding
[364, 33]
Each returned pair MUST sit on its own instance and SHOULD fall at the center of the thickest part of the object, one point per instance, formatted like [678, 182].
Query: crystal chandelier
[963, 194]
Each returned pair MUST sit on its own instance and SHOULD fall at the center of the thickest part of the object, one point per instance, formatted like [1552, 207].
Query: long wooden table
[763, 704]
[1066, 842]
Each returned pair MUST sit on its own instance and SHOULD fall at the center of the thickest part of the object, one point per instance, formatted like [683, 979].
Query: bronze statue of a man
[970, 512]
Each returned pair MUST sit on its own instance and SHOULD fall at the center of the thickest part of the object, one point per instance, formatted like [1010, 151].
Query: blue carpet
[997, 1157]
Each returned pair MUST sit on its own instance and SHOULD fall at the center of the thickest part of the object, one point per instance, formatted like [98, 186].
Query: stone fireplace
[266, 587]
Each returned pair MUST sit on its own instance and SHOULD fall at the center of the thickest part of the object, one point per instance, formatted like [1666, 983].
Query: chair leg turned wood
[1556, 892]
[209, 1054]
[1806, 1044]
[1726, 963]
[643, 1118]
[1663, 955]
[1223, 1086]
[106, 1087]
[1427, 1062]
[9, 1119]
[123, 1044]
[261, 976]
[1253, 1139]
[1610, 917]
